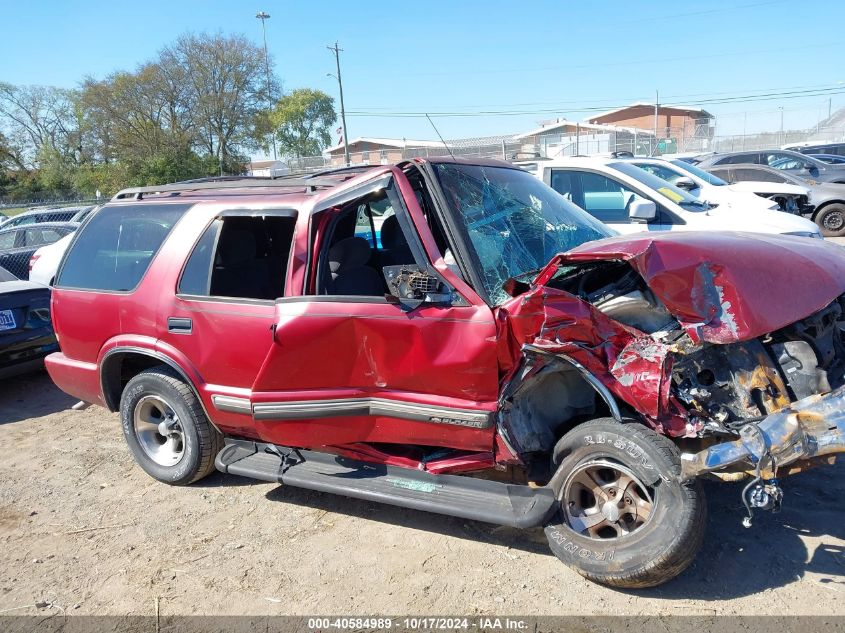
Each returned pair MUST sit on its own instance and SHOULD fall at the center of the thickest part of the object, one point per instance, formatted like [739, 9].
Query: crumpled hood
[726, 287]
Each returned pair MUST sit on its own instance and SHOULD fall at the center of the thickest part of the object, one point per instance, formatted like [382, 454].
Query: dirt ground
[86, 531]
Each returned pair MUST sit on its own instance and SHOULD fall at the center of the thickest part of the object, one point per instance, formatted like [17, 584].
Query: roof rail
[225, 182]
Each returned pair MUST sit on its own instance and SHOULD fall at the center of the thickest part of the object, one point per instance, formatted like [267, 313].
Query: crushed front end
[734, 346]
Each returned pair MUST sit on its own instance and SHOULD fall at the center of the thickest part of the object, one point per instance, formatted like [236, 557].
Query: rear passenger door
[222, 313]
[350, 363]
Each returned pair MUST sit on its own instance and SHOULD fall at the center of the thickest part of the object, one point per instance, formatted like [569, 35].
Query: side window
[349, 263]
[606, 199]
[240, 257]
[114, 249]
[763, 175]
[669, 175]
[562, 182]
[739, 159]
[7, 240]
[728, 175]
[38, 237]
[30, 219]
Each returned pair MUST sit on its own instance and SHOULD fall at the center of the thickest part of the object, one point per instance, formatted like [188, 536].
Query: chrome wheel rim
[602, 499]
[159, 431]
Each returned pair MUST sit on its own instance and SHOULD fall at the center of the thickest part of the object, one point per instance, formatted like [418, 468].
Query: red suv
[454, 336]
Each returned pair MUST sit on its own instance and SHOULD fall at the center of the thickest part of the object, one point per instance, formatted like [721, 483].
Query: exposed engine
[723, 386]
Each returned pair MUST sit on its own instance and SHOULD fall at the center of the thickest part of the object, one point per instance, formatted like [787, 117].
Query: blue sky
[538, 58]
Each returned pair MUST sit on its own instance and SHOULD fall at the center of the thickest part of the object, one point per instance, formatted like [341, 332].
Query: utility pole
[656, 101]
[262, 15]
[781, 125]
[334, 49]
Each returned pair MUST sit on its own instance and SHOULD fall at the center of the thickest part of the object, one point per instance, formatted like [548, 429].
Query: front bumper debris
[812, 427]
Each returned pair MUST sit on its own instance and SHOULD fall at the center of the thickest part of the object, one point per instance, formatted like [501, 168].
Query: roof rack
[350, 169]
[225, 182]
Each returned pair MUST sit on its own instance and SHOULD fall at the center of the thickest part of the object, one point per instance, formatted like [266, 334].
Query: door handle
[179, 325]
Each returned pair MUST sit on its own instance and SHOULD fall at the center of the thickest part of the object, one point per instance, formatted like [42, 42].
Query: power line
[772, 96]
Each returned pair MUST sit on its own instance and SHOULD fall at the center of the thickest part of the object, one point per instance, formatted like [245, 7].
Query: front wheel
[625, 519]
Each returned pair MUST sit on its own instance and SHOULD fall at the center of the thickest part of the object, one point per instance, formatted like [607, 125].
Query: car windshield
[514, 222]
[697, 171]
[670, 192]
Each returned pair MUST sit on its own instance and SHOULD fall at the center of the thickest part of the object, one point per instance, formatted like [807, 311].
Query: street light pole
[262, 15]
[334, 49]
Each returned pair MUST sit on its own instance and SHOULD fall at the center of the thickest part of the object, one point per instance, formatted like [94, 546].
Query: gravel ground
[85, 530]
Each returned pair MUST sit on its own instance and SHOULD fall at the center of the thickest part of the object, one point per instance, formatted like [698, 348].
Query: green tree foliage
[303, 121]
[189, 112]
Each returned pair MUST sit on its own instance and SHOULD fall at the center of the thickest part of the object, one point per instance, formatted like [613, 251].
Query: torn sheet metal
[725, 287]
[634, 367]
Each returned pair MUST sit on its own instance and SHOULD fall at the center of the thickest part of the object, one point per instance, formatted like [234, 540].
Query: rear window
[115, 248]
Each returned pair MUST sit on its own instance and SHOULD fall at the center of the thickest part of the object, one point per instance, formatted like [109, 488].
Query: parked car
[45, 261]
[832, 159]
[827, 200]
[798, 164]
[630, 200]
[17, 244]
[66, 214]
[818, 148]
[717, 192]
[245, 325]
[26, 334]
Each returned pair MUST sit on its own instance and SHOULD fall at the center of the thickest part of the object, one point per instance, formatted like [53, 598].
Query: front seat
[350, 273]
[396, 250]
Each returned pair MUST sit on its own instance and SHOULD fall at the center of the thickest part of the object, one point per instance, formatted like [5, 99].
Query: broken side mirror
[642, 211]
[413, 285]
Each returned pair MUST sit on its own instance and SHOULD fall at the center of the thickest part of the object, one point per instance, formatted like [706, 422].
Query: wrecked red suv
[456, 337]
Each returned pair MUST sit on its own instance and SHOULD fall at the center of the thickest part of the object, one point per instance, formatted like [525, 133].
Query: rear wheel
[831, 220]
[166, 429]
[625, 519]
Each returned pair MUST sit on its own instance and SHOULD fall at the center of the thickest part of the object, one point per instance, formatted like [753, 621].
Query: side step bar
[454, 495]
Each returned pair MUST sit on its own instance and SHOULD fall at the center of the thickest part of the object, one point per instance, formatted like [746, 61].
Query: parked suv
[494, 356]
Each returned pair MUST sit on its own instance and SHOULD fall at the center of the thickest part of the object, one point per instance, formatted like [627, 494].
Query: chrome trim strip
[299, 410]
[231, 404]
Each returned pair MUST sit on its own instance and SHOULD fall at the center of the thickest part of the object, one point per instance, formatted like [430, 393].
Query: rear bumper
[77, 378]
[812, 427]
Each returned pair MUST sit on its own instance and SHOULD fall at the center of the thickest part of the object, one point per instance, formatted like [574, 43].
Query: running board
[455, 495]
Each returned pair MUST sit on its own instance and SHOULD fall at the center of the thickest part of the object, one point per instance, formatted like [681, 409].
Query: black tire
[665, 543]
[200, 441]
[831, 220]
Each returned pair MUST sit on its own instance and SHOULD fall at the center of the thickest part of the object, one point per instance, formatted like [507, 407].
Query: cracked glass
[514, 222]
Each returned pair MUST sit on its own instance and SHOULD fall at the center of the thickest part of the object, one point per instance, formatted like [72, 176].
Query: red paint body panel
[726, 287]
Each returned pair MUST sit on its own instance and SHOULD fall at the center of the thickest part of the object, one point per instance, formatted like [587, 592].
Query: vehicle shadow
[733, 562]
[736, 561]
[31, 396]
[532, 541]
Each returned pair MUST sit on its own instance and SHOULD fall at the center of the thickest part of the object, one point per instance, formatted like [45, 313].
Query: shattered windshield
[515, 223]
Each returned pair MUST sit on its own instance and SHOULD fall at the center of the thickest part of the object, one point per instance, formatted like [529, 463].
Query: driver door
[367, 367]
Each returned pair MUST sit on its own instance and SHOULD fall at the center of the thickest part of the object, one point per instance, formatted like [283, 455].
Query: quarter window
[113, 251]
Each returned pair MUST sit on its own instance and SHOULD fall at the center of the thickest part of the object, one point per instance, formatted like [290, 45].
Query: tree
[34, 117]
[226, 84]
[303, 121]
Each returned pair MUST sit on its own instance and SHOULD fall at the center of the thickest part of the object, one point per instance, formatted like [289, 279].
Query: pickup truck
[495, 354]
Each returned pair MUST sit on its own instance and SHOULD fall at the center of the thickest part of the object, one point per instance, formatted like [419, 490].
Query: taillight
[32, 261]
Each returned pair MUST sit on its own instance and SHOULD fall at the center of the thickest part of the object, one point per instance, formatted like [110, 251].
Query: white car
[631, 200]
[44, 262]
[713, 190]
